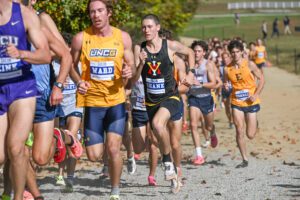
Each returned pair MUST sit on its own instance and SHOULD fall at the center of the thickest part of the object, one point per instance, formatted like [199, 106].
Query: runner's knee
[40, 158]
[15, 151]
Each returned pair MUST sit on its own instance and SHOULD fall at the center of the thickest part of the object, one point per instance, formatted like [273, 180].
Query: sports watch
[59, 85]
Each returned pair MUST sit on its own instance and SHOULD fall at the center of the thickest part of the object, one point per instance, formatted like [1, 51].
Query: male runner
[200, 98]
[260, 55]
[17, 85]
[102, 49]
[244, 96]
[154, 61]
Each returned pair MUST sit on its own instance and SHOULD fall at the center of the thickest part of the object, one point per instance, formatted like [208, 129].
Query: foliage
[70, 15]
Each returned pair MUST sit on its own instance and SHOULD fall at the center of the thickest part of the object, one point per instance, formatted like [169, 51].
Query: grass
[249, 30]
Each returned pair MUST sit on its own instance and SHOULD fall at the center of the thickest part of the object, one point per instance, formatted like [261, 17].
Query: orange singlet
[243, 84]
[102, 59]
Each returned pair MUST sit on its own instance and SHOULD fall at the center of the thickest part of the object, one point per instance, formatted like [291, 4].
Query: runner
[17, 85]
[71, 120]
[226, 60]
[244, 97]
[201, 100]
[102, 49]
[142, 136]
[260, 55]
[154, 60]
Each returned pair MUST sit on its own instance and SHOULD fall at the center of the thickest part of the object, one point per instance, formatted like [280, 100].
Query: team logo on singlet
[154, 68]
[103, 53]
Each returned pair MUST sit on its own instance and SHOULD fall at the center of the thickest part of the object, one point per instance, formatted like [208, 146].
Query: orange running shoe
[60, 152]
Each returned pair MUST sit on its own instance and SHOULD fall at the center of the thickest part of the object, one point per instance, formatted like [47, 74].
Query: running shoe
[185, 127]
[76, 148]
[206, 144]
[131, 166]
[243, 164]
[152, 181]
[69, 186]
[199, 160]
[60, 180]
[104, 172]
[29, 141]
[175, 185]
[114, 197]
[5, 197]
[213, 138]
[27, 195]
[137, 156]
[60, 153]
[169, 171]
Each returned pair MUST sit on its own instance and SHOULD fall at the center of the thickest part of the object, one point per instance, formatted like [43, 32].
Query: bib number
[10, 68]
[102, 71]
[242, 95]
[155, 86]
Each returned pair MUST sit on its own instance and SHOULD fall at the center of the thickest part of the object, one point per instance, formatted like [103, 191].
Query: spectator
[275, 28]
[264, 30]
[286, 23]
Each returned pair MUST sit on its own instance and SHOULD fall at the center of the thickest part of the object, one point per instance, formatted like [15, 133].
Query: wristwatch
[59, 85]
[192, 70]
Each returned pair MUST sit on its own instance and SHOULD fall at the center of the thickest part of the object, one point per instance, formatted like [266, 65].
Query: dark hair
[200, 43]
[107, 3]
[67, 37]
[235, 44]
[165, 33]
[153, 17]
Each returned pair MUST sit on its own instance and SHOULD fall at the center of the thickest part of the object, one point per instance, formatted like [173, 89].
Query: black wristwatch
[192, 70]
[59, 85]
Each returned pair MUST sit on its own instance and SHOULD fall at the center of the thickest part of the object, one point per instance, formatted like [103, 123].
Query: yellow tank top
[102, 59]
[243, 84]
[260, 55]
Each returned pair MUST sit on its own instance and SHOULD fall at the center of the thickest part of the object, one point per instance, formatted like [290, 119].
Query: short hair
[152, 17]
[165, 33]
[235, 44]
[200, 43]
[107, 3]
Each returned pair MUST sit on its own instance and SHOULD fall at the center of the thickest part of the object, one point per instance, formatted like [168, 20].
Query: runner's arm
[219, 82]
[261, 80]
[139, 58]
[128, 69]
[180, 65]
[211, 76]
[32, 26]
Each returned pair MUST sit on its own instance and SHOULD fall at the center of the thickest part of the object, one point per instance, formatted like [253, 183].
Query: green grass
[249, 30]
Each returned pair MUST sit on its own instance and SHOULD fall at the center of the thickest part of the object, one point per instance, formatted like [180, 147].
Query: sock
[130, 158]
[212, 132]
[167, 158]
[115, 190]
[198, 151]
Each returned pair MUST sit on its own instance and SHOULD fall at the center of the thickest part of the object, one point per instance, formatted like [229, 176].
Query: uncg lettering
[8, 39]
[103, 53]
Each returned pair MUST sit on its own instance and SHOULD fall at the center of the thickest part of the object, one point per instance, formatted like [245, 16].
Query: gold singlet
[243, 84]
[102, 60]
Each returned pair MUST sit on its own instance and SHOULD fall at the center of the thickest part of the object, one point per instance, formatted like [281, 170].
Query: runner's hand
[143, 56]
[189, 79]
[126, 71]
[12, 51]
[56, 96]
[252, 98]
[226, 85]
[83, 86]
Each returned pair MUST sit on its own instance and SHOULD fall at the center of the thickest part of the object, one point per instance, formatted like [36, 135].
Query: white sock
[198, 151]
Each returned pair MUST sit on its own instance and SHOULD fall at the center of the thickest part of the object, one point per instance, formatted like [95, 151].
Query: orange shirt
[260, 55]
[243, 84]
[102, 60]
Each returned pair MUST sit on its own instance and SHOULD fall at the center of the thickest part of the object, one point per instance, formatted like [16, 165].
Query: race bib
[155, 86]
[260, 55]
[242, 95]
[102, 71]
[69, 86]
[10, 68]
[140, 102]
